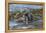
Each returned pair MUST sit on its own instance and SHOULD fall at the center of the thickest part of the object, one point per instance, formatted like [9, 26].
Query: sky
[13, 6]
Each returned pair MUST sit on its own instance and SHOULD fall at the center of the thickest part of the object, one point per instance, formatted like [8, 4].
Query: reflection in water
[21, 25]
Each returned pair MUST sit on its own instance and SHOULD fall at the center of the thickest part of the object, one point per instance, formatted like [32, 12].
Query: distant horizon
[13, 6]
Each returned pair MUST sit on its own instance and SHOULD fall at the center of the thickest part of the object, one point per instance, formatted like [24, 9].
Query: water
[13, 23]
